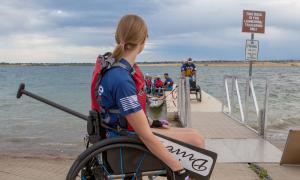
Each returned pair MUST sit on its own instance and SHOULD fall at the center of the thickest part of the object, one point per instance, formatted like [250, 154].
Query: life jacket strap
[112, 111]
[118, 129]
[118, 64]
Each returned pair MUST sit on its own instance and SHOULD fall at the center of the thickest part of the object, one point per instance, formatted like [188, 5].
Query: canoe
[155, 102]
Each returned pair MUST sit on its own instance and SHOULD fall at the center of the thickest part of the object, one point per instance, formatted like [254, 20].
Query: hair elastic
[122, 43]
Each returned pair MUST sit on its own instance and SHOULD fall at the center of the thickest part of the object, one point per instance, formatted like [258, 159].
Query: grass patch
[260, 171]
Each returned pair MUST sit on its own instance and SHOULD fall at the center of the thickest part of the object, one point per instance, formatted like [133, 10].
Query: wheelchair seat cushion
[132, 160]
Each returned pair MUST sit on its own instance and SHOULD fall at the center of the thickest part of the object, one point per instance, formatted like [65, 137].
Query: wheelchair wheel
[198, 94]
[116, 160]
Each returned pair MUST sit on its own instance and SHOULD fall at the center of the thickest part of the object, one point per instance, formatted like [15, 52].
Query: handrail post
[179, 97]
[261, 123]
[254, 97]
[183, 103]
[239, 100]
[247, 91]
[227, 96]
[185, 98]
[188, 104]
[181, 109]
[232, 90]
[223, 100]
[265, 117]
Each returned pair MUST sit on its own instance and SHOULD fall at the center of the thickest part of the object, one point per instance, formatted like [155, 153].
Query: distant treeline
[159, 62]
[219, 61]
[48, 64]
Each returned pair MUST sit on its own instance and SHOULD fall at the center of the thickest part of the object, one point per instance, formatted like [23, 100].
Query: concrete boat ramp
[235, 144]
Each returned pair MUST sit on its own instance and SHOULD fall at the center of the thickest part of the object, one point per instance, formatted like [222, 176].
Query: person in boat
[158, 86]
[188, 70]
[168, 84]
[148, 82]
[122, 89]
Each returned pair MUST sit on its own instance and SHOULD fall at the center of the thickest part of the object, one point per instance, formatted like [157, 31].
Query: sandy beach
[17, 167]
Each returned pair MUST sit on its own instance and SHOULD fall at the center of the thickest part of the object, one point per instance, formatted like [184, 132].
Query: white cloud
[37, 48]
[202, 28]
[59, 13]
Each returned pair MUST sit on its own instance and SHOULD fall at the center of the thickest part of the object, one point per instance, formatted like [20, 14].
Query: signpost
[253, 22]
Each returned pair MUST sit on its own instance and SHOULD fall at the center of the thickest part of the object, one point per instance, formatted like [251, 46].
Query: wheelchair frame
[195, 89]
[97, 151]
[97, 137]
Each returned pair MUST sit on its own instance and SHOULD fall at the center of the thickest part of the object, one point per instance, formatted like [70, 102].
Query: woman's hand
[181, 175]
[160, 124]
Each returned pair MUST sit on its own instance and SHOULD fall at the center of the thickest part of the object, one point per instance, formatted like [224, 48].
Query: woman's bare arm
[139, 123]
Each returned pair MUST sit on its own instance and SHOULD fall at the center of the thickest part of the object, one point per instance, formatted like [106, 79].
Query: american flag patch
[130, 102]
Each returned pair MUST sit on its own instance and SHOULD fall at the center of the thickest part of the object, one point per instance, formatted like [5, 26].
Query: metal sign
[251, 50]
[254, 21]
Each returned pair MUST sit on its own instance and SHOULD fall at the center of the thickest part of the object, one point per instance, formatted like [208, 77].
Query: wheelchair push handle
[22, 91]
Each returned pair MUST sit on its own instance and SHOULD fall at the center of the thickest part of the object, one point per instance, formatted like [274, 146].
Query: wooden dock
[235, 144]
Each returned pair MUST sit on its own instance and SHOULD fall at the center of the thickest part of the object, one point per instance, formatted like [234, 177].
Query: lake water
[32, 127]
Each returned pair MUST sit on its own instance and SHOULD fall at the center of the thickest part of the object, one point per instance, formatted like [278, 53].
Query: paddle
[22, 91]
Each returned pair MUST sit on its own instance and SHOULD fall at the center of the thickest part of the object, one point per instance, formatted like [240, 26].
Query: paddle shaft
[53, 104]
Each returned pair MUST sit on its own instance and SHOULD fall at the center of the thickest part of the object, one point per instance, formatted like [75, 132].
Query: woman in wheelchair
[120, 89]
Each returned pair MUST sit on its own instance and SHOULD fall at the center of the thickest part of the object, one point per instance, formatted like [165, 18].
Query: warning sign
[254, 21]
[251, 50]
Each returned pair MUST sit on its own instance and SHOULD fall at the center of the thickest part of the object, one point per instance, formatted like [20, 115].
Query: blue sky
[78, 30]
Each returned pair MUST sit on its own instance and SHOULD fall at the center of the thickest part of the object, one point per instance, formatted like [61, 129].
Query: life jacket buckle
[121, 131]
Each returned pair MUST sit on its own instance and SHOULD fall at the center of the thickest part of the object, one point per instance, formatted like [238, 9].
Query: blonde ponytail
[118, 52]
[131, 31]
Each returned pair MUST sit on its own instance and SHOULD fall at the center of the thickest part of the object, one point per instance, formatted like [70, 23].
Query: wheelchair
[122, 157]
[125, 156]
[195, 89]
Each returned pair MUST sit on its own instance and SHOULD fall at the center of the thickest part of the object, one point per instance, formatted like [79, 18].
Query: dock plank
[208, 103]
[218, 125]
[243, 150]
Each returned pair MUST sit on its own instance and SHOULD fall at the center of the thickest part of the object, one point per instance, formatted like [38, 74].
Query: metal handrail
[261, 114]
